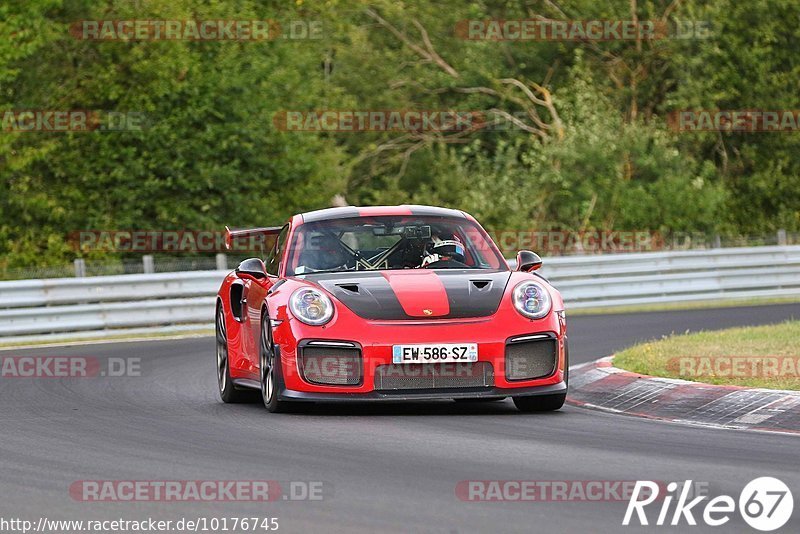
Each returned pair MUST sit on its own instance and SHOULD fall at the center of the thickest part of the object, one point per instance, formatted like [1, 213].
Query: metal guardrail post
[80, 268]
[222, 262]
[782, 237]
[148, 265]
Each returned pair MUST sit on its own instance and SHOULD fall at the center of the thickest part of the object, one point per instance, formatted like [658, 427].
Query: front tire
[227, 391]
[270, 370]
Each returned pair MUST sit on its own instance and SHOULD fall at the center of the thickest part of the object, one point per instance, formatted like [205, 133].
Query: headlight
[532, 300]
[311, 306]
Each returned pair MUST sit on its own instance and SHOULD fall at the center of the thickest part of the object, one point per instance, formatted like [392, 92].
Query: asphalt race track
[383, 468]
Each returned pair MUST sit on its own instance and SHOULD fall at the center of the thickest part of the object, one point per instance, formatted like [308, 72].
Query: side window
[275, 255]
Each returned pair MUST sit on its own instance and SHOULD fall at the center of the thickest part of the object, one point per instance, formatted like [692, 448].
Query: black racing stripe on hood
[374, 298]
[470, 292]
[474, 293]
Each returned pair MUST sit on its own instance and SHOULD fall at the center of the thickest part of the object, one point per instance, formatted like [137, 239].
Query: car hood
[417, 293]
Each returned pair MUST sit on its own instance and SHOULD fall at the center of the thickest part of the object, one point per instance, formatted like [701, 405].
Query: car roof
[375, 211]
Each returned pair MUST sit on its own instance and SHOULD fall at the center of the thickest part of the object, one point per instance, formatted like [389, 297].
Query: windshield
[391, 242]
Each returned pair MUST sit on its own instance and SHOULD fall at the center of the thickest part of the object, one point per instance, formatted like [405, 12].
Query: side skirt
[246, 383]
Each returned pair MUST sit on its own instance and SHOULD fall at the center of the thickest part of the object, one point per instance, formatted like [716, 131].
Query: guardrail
[663, 277]
[35, 307]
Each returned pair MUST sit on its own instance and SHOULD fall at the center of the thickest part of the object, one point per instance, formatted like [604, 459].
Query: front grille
[531, 359]
[331, 366]
[434, 376]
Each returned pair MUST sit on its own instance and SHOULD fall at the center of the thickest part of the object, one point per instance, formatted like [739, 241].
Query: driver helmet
[449, 246]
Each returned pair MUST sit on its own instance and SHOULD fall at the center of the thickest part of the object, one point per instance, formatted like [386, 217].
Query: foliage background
[210, 154]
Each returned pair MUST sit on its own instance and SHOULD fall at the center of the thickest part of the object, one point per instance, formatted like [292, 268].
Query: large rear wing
[247, 237]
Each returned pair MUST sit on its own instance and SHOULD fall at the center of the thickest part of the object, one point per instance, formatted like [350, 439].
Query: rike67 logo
[765, 503]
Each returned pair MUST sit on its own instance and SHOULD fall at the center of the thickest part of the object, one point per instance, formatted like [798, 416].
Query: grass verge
[137, 336]
[758, 356]
[675, 306]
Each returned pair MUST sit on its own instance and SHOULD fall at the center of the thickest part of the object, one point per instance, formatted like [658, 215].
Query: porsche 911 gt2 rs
[388, 304]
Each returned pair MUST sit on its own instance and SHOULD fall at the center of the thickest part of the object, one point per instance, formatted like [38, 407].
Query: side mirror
[252, 268]
[528, 261]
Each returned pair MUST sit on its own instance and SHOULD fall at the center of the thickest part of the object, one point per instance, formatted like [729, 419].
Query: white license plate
[438, 353]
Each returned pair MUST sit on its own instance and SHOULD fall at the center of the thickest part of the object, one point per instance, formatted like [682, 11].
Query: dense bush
[210, 155]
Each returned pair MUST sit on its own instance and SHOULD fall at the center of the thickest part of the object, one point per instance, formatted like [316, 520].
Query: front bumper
[422, 395]
[375, 340]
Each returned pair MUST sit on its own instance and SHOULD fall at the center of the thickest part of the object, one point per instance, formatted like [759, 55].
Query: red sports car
[389, 304]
